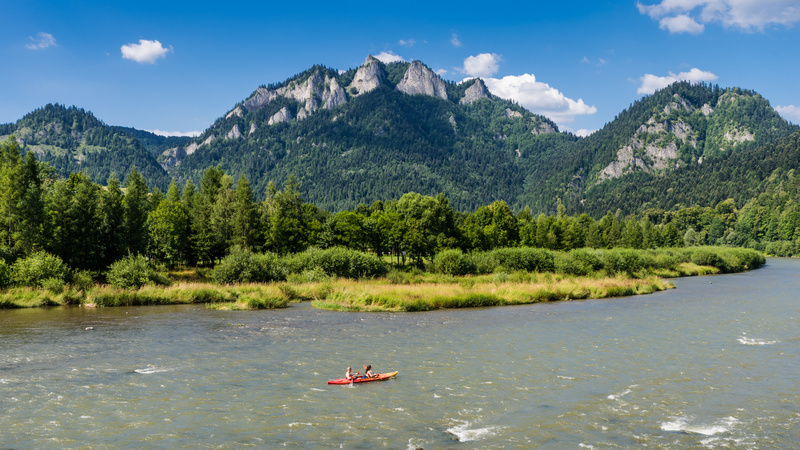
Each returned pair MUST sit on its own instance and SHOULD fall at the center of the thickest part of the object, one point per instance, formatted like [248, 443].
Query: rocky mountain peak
[475, 92]
[422, 80]
[368, 77]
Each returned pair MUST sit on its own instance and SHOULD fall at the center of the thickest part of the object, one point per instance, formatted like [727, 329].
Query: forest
[89, 227]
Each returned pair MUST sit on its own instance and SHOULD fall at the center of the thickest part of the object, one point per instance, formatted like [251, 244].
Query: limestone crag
[738, 135]
[474, 93]
[511, 114]
[234, 133]
[236, 112]
[653, 147]
[543, 127]
[421, 80]
[316, 87]
[368, 77]
[284, 115]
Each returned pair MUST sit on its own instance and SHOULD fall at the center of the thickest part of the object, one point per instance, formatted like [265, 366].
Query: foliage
[244, 266]
[37, 268]
[135, 271]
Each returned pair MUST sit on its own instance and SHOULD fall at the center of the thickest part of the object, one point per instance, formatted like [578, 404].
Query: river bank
[419, 292]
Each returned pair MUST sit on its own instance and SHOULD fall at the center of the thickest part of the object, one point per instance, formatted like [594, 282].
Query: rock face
[368, 77]
[234, 133]
[475, 92]
[310, 93]
[421, 80]
[284, 115]
[511, 113]
[653, 147]
[543, 128]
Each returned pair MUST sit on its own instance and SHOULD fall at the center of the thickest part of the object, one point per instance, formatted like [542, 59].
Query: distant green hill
[73, 140]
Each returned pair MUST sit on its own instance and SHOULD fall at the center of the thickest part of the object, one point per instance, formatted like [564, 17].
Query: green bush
[38, 267]
[453, 262]
[525, 258]
[621, 261]
[705, 257]
[6, 275]
[243, 266]
[568, 264]
[338, 262]
[135, 271]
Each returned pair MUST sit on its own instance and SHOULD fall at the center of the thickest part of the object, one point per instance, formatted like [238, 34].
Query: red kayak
[380, 377]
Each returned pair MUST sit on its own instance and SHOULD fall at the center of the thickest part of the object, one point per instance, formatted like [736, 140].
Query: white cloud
[389, 57]
[145, 52]
[652, 83]
[176, 133]
[538, 97]
[688, 16]
[583, 132]
[681, 24]
[407, 42]
[790, 113]
[41, 41]
[454, 40]
[441, 72]
[482, 65]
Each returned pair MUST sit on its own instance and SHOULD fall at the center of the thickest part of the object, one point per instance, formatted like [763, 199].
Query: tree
[136, 208]
[245, 216]
[169, 231]
[112, 223]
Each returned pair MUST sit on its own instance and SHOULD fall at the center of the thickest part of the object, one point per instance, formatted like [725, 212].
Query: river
[713, 363]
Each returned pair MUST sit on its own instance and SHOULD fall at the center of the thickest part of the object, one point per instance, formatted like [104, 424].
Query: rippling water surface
[713, 363]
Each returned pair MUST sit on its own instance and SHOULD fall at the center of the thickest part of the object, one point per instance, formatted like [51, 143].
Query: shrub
[568, 264]
[525, 258]
[621, 261]
[135, 271]
[243, 266]
[705, 257]
[338, 262]
[38, 267]
[453, 262]
[6, 278]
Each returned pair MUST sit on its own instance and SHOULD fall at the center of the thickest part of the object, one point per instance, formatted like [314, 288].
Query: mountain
[74, 140]
[682, 129]
[380, 130]
[374, 133]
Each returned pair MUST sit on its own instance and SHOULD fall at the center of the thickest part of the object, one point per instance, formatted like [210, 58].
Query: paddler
[349, 374]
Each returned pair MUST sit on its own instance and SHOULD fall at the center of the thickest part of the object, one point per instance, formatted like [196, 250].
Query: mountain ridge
[379, 130]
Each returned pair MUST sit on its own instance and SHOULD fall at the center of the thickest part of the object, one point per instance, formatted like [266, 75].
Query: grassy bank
[454, 280]
[480, 291]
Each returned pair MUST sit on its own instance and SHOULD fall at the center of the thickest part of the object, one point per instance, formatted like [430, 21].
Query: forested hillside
[73, 140]
[380, 130]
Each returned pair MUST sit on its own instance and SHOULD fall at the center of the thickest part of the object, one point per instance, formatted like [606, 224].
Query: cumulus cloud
[482, 65]
[176, 133]
[681, 24]
[538, 97]
[441, 72]
[689, 16]
[145, 52]
[407, 42]
[790, 113]
[41, 41]
[454, 40]
[652, 83]
[389, 57]
[583, 132]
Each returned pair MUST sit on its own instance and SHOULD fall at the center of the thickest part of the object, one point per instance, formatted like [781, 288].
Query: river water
[713, 363]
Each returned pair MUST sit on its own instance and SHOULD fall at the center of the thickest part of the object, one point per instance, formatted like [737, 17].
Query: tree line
[91, 226]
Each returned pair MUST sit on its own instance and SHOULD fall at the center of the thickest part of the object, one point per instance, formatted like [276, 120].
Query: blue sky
[178, 66]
